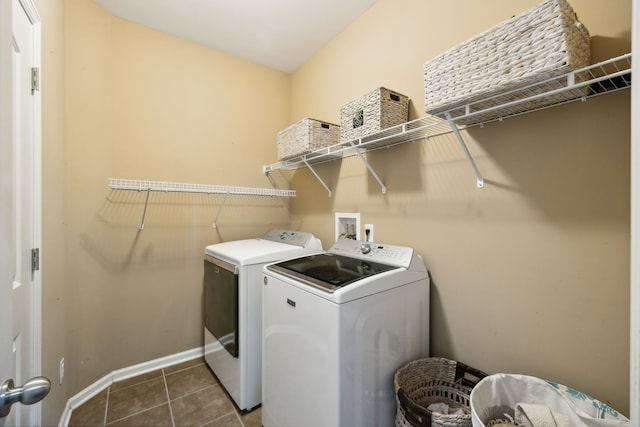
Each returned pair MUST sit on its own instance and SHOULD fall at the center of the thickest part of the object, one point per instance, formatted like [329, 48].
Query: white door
[19, 213]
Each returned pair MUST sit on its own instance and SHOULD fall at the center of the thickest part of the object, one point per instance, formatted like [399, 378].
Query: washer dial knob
[365, 248]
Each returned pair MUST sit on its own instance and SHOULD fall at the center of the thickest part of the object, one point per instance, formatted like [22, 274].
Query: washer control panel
[374, 251]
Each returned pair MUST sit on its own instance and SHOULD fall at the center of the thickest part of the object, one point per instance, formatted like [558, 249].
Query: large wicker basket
[377, 110]
[305, 136]
[434, 380]
[544, 42]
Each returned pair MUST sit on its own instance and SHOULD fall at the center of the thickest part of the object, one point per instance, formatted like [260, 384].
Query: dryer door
[221, 302]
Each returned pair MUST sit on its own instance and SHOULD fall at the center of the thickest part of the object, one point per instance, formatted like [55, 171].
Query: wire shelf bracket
[313, 171]
[144, 211]
[456, 132]
[373, 172]
[179, 187]
[215, 221]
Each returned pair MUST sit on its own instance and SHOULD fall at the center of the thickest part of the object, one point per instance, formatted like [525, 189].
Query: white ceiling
[280, 34]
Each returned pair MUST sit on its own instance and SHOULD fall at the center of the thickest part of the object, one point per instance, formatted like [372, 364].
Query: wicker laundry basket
[305, 136]
[511, 61]
[377, 110]
[434, 380]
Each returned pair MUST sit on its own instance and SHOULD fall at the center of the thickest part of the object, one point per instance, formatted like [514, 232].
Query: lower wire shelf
[180, 187]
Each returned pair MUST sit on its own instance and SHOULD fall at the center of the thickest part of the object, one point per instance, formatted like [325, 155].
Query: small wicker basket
[434, 380]
[544, 42]
[377, 110]
[305, 136]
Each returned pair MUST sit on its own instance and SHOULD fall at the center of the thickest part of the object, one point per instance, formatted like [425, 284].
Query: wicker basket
[377, 110]
[544, 42]
[434, 380]
[305, 136]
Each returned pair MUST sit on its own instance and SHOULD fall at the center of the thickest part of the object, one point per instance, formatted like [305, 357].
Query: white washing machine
[233, 307]
[337, 326]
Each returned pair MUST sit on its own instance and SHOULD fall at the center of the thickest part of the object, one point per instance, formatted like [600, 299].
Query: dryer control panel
[297, 238]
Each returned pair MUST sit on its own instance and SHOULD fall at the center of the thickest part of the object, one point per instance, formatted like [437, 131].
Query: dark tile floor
[187, 394]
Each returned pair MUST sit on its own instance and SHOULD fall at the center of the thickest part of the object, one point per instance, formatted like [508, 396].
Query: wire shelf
[604, 77]
[578, 85]
[180, 187]
[165, 186]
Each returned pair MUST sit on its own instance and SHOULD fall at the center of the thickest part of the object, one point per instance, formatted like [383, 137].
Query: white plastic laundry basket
[498, 394]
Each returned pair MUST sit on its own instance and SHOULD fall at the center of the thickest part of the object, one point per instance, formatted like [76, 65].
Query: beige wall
[531, 273]
[144, 105]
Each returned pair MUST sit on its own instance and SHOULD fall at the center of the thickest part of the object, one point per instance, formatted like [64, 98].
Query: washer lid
[329, 272]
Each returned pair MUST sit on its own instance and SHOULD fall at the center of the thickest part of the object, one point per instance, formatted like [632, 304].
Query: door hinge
[35, 79]
[35, 259]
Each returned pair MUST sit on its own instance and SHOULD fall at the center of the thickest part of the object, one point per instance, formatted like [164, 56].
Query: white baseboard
[123, 374]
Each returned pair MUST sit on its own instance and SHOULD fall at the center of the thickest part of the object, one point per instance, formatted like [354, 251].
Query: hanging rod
[180, 187]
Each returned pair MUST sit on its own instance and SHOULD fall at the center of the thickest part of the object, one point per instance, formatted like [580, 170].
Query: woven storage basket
[434, 380]
[541, 43]
[305, 136]
[377, 110]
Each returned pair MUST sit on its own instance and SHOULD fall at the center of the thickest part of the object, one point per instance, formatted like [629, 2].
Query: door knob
[33, 391]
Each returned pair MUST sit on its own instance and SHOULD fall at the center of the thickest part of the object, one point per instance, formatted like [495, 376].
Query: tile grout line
[238, 416]
[206, 423]
[197, 391]
[106, 420]
[135, 384]
[205, 388]
[106, 407]
[135, 414]
[186, 368]
[166, 389]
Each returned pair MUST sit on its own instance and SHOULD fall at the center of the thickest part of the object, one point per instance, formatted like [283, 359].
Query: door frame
[34, 17]
[634, 351]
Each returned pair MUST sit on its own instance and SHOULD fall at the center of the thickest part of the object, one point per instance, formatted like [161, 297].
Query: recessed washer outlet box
[347, 225]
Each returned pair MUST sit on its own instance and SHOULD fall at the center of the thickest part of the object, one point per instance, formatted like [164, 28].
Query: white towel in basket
[532, 415]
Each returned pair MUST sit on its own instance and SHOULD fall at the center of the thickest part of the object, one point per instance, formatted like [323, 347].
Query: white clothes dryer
[337, 326]
[233, 307]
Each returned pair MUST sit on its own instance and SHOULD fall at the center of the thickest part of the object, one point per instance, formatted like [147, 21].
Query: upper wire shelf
[578, 85]
[604, 77]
